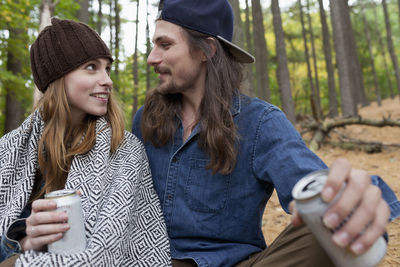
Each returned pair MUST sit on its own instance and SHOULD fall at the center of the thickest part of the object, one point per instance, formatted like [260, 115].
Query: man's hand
[370, 213]
[44, 225]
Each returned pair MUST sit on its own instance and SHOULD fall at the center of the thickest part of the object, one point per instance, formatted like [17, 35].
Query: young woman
[75, 139]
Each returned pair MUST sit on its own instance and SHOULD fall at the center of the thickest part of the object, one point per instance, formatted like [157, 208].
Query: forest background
[325, 63]
[313, 58]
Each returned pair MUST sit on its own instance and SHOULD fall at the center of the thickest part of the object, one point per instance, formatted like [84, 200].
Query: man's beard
[171, 87]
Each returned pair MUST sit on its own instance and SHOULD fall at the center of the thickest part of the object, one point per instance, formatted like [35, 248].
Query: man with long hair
[216, 155]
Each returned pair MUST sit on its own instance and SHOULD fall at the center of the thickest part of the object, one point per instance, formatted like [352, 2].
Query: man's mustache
[160, 70]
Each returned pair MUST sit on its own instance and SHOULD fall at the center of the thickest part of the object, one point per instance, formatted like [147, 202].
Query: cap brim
[238, 53]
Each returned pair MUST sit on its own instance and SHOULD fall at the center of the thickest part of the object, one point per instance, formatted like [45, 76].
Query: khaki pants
[295, 246]
[10, 261]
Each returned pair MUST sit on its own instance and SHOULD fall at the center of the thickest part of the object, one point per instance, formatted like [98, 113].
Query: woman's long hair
[218, 134]
[59, 142]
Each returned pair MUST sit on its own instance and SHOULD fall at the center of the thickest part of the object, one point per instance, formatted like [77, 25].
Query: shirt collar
[236, 104]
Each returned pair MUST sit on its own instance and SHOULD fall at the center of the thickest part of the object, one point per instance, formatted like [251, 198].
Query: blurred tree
[390, 44]
[15, 90]
[117, 28]
[46, 12]
[371, 54]
[239, 39]
[148, 48]
[316, 109]
[314, 56]
[382, 51]
[135, 65]
[260, 52]
[82, 13]
[326, 39]
[282, 72]
[99, 24]
[340, 24]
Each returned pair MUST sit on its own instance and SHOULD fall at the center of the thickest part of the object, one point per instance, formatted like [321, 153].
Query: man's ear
[213, 47]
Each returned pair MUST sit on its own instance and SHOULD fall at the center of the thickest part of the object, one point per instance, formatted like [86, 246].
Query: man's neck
[191, 101]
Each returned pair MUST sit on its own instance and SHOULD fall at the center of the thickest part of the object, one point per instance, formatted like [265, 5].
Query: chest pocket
[205, 192]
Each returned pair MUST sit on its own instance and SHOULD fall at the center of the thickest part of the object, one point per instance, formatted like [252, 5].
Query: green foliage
[66, 9]
[126, 85]
[17, 20]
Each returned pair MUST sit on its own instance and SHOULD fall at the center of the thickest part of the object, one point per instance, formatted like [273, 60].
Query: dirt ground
[385, 164]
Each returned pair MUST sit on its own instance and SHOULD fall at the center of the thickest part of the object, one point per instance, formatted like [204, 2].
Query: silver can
[311, 207]
[74, 240]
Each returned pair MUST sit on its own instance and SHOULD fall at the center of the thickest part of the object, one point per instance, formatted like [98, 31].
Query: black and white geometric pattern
[123, 218]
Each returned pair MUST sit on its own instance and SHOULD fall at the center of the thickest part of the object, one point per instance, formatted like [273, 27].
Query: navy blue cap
[212, 17]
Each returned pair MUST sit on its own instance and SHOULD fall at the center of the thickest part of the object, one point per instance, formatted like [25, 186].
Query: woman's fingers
[38, 243]
[44, 225]
[46, 229]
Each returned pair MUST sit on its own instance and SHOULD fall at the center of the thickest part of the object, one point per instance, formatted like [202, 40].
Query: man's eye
[108, 70]
[165, 45]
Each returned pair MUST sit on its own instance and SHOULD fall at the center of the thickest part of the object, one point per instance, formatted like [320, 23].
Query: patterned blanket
[123, 218]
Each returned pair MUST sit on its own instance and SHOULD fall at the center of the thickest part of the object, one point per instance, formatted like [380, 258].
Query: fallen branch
[322, 129]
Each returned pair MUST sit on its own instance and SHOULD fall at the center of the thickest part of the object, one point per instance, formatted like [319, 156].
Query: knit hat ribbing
[62, 47]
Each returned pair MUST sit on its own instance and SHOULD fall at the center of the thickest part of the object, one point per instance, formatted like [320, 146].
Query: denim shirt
[216, 219]
[9, 244]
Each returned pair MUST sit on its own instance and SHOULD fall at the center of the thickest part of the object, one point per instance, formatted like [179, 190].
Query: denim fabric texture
[9, 240]
[216, 219]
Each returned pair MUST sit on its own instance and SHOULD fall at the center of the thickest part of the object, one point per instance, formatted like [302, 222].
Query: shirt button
[170, 197]
[174, 159]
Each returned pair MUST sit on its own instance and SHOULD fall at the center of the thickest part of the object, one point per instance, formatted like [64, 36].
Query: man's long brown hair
[218, 134]
[59, 142]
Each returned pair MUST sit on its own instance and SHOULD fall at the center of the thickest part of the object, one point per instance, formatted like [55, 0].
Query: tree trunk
[135, 66]
[111, 25]
[390, 45]
[116, 48]
[46, 12]
[371, 55]
[346, 78]
[316, 112]
[14, 108]
[282, 72]
[83, 12]
[248, 31]
[382, 50]
[398, 5]
[238, 38]
[360, 96]
[249, 47]
[99, 24]
[317, 89]
[333, 104]
[148, 48]
[261, 52]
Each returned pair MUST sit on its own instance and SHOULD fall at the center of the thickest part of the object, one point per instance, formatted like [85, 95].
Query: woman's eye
[165, 45]
[91, 67]
[108, 70]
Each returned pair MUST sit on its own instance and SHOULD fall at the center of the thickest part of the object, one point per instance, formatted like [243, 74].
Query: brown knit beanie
[61, 48]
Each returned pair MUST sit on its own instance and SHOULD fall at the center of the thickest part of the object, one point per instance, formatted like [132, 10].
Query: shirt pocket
[205, 192]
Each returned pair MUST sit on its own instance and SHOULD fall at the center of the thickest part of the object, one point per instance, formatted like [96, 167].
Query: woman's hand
[44, 225]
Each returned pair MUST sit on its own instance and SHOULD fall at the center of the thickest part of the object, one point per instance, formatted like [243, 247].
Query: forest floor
[385, 164]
